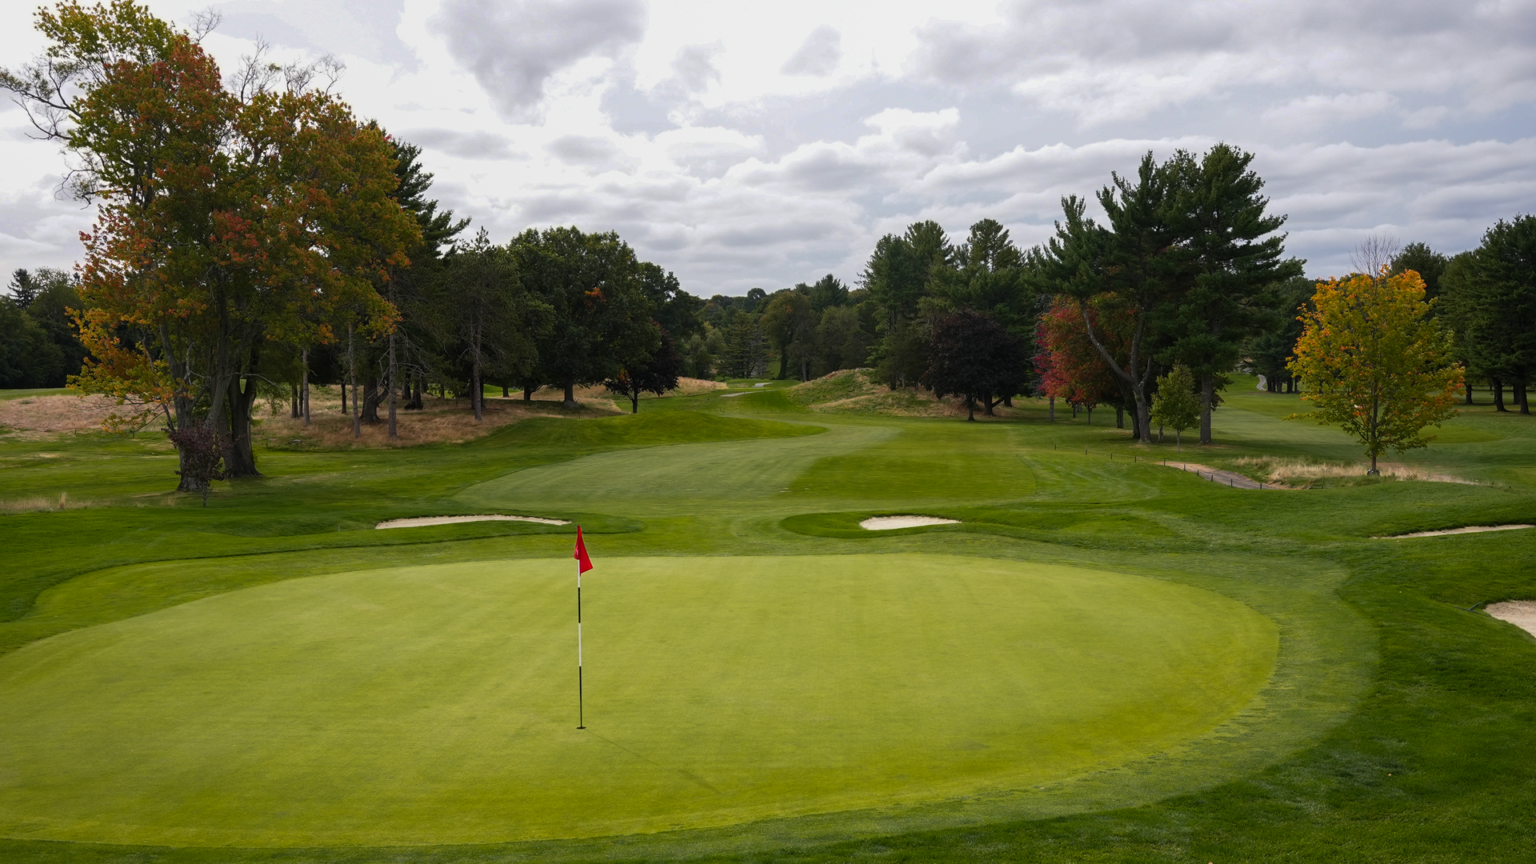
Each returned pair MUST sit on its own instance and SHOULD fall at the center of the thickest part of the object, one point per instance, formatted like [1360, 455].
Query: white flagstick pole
[581, 719]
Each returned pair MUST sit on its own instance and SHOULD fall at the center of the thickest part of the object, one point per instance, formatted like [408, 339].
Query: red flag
[581, 554]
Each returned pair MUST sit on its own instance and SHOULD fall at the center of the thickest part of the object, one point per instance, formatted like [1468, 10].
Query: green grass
[720, 691]
[1388, 729]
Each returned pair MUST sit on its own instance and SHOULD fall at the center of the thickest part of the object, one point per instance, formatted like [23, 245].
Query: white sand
[1521, 613]
[1470, 529]
[886, 523]
[421, 521]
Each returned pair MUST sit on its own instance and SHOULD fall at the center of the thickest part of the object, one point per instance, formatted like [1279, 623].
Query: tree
[204, 461]
[657, 373]
[1233, 258]
[973, 356]
[51, 308]
[23, 288]
[827, 293]
[1429, 264]
[1176, 405]
[27, 358]
[600, 317]
[409, 288]
[230, 220]
[790, 325]
[486, 312]
[1127, 270]
[1068, 365]
[1373, 362]
[675, 310]
[1491, 295]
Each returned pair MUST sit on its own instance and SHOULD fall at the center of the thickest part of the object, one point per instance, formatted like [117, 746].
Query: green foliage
[28, 358]
[1176, 405]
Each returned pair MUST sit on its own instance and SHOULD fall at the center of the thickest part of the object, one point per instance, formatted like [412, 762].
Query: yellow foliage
[1372, 362]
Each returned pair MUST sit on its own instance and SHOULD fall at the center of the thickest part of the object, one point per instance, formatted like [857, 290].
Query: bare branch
[1374, 254]
[205, 22]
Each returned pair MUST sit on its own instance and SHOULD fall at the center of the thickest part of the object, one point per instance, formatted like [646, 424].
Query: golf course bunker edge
[437, 704]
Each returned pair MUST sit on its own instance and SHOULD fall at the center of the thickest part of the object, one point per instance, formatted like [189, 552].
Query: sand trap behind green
[437, 704]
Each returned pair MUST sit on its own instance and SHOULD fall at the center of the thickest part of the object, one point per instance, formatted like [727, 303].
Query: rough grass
[45, 416]
[440, 421]
[1303, 474]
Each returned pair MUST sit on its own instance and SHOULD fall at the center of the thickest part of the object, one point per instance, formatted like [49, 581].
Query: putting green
[437, 704]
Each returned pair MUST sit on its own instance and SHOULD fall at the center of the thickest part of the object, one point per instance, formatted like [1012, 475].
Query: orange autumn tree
[1374, 363]
[230, 218]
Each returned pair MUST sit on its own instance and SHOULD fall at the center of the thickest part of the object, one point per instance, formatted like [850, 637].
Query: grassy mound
[437, 704]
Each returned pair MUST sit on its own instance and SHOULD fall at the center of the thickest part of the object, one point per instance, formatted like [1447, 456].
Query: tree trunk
[986, 403]
[970, 407]
[1119, 416]
[476, 389]
[1008, 401]
[528, 392]
[1051, 409]
[344, 397]
[1207, 403]
[304, 357]
[239, 455]
[293, 397]
[1143, 421]
[1178, 440]
[394, 377]
[372, 397]
[1519, 385]
[1498, 393]
[357, 416]
[570, 395]
[634, 402]
[504, 392]
[1468, 384]
[1090, 414]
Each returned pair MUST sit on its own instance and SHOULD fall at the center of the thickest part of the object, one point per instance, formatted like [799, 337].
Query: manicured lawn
[436, 704]
[1155, 668]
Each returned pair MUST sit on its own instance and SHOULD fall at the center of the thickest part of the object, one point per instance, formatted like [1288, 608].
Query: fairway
[436, 704]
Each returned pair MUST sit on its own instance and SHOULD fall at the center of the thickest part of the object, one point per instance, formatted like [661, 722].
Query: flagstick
[581, 718]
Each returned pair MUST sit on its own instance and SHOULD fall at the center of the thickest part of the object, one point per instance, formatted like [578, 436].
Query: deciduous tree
[1176, 405]
[1373, 362]
[973, 356]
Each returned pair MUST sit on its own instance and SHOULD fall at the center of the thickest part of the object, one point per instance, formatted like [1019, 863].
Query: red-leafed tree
[1069, 366]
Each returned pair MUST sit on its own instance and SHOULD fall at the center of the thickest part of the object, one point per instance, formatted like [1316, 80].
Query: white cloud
[748, 145]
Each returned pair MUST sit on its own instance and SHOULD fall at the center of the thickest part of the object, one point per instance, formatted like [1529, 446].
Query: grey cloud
[362, 27]
[694, 66]
[513, 47]
[1099, 61]
[583, 150]
[818, 55]
[466, 145]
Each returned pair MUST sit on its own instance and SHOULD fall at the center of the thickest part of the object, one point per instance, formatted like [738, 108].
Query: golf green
[437, 704]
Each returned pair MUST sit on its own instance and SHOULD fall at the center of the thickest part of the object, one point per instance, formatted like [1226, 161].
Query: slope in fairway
[437, 704]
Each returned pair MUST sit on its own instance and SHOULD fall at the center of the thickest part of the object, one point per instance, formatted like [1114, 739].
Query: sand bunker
[1470, 529]
[887, 523]
[421, 521]
[1521, 613]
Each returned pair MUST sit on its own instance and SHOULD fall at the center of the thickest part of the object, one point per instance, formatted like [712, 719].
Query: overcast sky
[762, 144]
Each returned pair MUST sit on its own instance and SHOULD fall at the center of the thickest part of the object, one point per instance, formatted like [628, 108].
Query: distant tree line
[39, 344]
